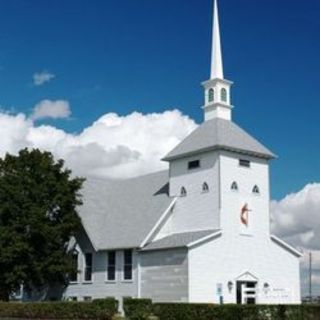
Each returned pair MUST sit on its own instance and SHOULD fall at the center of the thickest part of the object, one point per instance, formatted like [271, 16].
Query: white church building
[198, 232]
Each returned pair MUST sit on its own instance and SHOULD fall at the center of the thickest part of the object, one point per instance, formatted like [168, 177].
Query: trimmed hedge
[236, 312]
[141, 309]
[137, 309]
[102, 309]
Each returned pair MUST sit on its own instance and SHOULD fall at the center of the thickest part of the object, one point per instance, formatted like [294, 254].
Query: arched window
[205, 187]
[211, 95]
[74, 274]
[183, 192]
[224, 95]
[256, 190]
[234, 186]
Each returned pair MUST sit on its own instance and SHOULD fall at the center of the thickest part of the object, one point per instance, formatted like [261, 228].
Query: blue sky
[150, 56]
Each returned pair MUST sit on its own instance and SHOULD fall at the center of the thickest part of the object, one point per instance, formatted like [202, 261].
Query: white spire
[216, 59]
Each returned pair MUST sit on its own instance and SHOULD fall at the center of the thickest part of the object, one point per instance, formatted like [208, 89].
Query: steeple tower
[217, 89]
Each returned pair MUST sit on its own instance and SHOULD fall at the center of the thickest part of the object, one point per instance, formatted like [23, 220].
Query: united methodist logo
[244, 216]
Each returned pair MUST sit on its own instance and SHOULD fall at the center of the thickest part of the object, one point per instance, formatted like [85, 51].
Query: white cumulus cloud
[296, 218]
[58, 109]
[40, 78]
[113, 146]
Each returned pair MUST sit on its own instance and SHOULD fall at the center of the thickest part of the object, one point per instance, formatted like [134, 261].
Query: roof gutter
[286, 246]
[218, 147]
[204, 239]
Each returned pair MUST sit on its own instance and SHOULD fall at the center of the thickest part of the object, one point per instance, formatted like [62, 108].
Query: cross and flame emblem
[244, 216]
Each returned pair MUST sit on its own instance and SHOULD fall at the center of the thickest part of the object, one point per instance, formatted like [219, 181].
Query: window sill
[127, 281]
[110, 281]
[87, 282]
[73, 282]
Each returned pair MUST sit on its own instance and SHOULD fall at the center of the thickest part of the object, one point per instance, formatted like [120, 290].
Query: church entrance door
[246, 292]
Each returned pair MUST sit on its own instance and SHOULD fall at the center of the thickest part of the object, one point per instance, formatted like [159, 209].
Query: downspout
[139, 274]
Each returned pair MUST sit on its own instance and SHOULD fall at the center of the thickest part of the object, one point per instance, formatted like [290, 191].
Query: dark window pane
[74, 273]
[244, 163]
[193, 164]
[111, 258]
[111, 273]
[128, 272]
[127, 257]
[88, 267]
[111, 265]
[88, 274]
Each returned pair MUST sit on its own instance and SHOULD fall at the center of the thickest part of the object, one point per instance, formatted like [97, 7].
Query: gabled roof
[178, 240]
[219, 134]
[120, 214]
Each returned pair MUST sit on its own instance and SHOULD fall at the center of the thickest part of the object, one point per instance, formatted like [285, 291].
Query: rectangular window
[73, 299]
[87, 298]
[111, 268]
[193, 164]
[127, 264]
[74, 273]
[244, 163]
[88, 267]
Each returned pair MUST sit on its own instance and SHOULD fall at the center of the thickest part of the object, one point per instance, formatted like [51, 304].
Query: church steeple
[216, 56]
[217, 89]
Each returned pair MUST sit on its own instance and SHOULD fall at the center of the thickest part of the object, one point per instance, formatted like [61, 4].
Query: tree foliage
[38, 215]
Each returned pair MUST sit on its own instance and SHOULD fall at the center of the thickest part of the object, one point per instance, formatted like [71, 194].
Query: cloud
[113, 146]
[40, 78]
[58, 109]
[296, 218]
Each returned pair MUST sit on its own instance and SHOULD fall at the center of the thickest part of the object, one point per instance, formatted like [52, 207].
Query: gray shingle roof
[120, 214]
[177, 240]
[219, 134]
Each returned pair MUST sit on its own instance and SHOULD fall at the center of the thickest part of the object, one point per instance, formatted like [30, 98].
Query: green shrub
[110, 304]
[137, 309]
[100, 310]
[185, 311]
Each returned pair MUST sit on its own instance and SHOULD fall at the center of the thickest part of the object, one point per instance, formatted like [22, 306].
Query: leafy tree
[38, 215]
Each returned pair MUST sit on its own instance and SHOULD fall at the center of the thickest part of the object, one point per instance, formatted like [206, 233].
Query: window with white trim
[111, 267]
[87, 298]
[193, 164]
[88, 267]
[244, 163]
[127, 265]
[72, 298]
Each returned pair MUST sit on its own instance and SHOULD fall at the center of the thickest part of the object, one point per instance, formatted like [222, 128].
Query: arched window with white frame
[211, 95]
[183, 192]
[73, 276]
[234, 186]
[205, 187]
[256, 190]
[224, 95]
